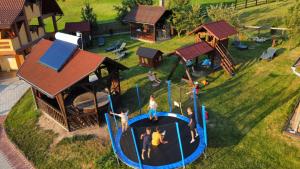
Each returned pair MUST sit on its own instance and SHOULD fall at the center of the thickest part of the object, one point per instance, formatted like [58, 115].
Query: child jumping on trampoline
[158, 137]
[152, 108]
[124, 119]
[192, 124]
[146, 137]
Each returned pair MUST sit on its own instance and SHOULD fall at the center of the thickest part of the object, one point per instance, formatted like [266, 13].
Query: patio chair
[121, 48]
[239, 45]
[113, 46]
[121, 54]
[101, 41]
[152, 78]
[268, 54]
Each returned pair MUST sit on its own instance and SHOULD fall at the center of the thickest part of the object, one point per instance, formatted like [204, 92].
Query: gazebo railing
[51, 111]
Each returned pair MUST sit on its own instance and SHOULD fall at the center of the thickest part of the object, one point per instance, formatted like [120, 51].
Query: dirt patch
[49, 124]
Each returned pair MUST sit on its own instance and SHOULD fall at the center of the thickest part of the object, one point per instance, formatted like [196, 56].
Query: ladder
[226, 59]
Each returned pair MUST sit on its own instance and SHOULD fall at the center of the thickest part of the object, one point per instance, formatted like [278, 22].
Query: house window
[146, 61]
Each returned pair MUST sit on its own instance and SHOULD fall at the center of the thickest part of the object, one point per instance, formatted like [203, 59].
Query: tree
[185, 16]
[224, 12]
[127, 5]
[292, 21]
[87, 14]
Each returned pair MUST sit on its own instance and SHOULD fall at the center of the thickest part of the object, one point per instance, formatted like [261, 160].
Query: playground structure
[211, 39]
[179, 152]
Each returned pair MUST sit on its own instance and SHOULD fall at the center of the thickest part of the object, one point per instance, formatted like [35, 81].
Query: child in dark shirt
[192, 124]
[146, 137]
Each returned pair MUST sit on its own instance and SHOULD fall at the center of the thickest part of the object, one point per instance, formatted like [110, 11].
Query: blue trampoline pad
[58, 54]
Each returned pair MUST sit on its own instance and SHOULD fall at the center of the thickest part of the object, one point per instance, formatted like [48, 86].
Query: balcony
[9, 46]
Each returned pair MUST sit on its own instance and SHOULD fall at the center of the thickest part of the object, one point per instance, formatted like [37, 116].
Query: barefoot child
[146, 137]
[192, 124]
[124, 119]
[158, 138]
[152, 108]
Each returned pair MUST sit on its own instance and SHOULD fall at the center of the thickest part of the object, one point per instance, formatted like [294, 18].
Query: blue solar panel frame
[58, 54]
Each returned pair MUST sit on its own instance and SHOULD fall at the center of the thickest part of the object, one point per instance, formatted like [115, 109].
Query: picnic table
[86, 103]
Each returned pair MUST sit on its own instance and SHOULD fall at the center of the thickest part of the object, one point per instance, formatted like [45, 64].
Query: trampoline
[178, 152]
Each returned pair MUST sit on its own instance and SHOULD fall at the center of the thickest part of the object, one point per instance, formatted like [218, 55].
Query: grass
[103, 8]
[246, 112]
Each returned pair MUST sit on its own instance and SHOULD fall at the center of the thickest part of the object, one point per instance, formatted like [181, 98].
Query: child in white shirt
[124, 119]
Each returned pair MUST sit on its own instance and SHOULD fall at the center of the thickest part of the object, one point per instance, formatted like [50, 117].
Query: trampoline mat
[164, 154]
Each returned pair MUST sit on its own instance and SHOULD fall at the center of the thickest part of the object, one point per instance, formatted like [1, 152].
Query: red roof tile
[51, 82]
[193, 51]
[83, 26]
[145, 14]
[9, 11]
[220, 29]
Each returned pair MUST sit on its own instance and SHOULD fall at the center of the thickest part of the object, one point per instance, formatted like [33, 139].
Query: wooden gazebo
[149, 23]
[74, 96]
[149, 57]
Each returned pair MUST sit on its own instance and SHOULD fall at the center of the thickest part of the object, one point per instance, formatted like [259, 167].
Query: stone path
[11, 90]
[10, 156]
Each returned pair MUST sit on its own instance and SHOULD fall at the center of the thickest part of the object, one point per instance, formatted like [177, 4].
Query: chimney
[162, 3]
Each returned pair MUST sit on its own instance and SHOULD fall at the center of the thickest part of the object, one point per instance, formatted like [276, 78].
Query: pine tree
[87, 14]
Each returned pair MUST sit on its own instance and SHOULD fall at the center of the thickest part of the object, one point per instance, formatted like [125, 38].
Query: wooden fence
[240, 4]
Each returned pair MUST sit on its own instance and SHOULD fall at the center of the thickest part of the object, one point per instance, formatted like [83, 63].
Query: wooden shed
[149, 23]
[75, 95]
[149, 57]
[84, 27]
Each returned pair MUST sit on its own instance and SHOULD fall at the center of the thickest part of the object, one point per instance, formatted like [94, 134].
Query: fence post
[169, 95]
[136, 149]
[138, 96]
[256, 2]
[246, 3]
[204, 125]
[112, 109]
[195, 105]
[180, 144]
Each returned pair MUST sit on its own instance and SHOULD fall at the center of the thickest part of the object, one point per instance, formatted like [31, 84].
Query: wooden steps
[226, 59]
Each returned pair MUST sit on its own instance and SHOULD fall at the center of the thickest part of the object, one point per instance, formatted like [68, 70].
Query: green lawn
[246, 112]
[103, 8]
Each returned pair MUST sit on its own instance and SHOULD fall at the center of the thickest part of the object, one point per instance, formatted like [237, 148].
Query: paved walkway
[11, 90]
[10, 156]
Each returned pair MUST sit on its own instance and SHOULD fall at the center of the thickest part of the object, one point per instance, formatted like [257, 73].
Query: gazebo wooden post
[61, 104]
[33, 91]
[154, 32]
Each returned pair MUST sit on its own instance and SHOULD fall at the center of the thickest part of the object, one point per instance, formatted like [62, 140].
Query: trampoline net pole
[195, 105]
[169, 95]
[136, 148]
[112, 109]
[138, 97]
[204, 125]
[180, 144]
[111, 135]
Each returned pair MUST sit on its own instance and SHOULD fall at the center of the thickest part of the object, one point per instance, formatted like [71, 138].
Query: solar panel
[58, 54]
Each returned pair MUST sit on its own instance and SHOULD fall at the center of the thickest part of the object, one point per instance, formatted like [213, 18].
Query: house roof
[148, 52]
[219, 29]
[51, 82]
[83, 26]
[194, 50]
[9, 10]
[51, 6]
[145, 14]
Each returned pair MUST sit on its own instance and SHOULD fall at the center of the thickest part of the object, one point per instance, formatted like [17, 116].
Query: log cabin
[149, 23]
[21, 26]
